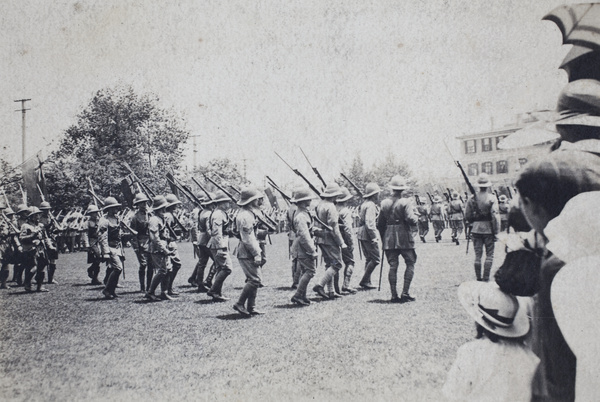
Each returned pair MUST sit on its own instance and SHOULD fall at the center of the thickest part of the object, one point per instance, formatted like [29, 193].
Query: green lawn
[71, 344]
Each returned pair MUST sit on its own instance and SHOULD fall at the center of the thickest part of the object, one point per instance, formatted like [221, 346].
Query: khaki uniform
[369, 239]
[482, 212]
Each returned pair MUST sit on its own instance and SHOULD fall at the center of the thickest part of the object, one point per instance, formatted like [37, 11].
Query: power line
[23, 110]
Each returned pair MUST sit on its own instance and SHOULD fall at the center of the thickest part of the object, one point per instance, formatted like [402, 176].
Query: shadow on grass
[233, 317]
[287, 288]
[101, 298]
[381, 301]
[81, 285]
[22, 292]
[96, 288]
[133, 292]
[361, 289]
[289, 306]
[206, 301]
[146, 301]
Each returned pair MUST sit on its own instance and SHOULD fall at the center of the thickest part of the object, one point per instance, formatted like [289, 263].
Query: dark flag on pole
[126, 184]
[272, 198]
[32, 177]
[173, 186]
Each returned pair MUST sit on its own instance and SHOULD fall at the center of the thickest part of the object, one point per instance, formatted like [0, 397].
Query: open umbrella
[582, 62]
[540, 132]
[579, 24]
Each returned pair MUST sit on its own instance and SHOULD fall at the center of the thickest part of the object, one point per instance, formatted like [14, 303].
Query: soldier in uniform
[172, 205]
[219, 244]
[140, 242]
[290, 213]
[202, 251]
[482, 212]
[423, 211]
[304, 251]
[94, 256]
[329, 238]
[368, 236]
[10, 245]
[248, 251]
[34, 259]
[345, 222]
[437, 215]
[111, 246]
[21, 219]
[159, 250]
[503, 209]
[397, 224]
[52, 228]
[456, 217]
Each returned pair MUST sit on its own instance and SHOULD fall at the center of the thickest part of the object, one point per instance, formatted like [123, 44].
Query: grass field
[71, 344]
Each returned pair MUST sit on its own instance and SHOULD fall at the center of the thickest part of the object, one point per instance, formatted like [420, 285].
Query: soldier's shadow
[232, 317]
[380, 301]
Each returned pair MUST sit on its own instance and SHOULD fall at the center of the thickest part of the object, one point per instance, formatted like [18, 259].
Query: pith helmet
[332, 190]
[9, 211]
[398, 183]
[249, 194]
[172, 200]
[159, 202]
[208, 201]
[503, 198]
[302, 195]
[345, 195]
[22, 208]
[91, 209]
[484, 181]
[455, 195]
[34, 211]
[45, 205]
[220, 196]
[110, 202]
[437, 198]
[139, 198]
[371, 189]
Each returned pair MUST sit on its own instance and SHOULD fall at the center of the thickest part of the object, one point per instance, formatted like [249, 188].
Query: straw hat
[496, 311]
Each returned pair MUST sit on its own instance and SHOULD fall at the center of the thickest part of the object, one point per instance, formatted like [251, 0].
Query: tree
[117, 126]
[222, 170]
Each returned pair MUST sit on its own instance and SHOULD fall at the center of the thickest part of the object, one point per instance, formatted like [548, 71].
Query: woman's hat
[496, 311]
[371, 189]
[249, 194]
[345, 195]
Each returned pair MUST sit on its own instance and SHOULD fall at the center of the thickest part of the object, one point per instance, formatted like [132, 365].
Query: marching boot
[156, 280]
[164, 287]
[111, 285]
[217, 287]
[142, 279]
[336, 283]
[347, 276]
[365, 282]
[300, 296]
[172, 276]
[149, 276]
[252, 303]
[240, 305]
[3, 278]
[39, 277]
[107, 275]
[393, 279]
[211, 274]
[51, 270]
[18, 274]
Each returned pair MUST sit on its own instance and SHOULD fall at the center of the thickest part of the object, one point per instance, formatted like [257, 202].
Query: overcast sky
[253, 77]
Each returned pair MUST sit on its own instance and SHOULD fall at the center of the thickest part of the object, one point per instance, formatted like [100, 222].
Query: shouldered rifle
[149, 193]
[325, 226]
[497, 196]
[417, 199]
[15, 231]
[279, 190]
[360, 193]
[183, 189]
[430, 197]
[227, 193]
[314, 168]
[313, 188]
[509, 192]
[202, 188]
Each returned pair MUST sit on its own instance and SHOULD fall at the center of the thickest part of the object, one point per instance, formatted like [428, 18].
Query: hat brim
[333, 195]
[140, 201]
[468, 295]
[249, 200]
[111, 206]
[307, 198]
[569, 118]
[34, 213]
[221, 200]
[372, 193]
[399, 187]
[173, 203]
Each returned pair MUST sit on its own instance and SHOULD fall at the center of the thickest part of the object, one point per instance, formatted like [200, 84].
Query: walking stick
[380, 271]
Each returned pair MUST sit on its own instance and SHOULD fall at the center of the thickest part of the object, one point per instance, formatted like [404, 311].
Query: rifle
[497, 196]
[509, 192]
[279, 190]
[186, 191]
[15, 234]
[430, 197]
[417, 199]
[227, 193]
[313, 188]
[202, 188]
[314, 168]
[149, 193]
[360, 193]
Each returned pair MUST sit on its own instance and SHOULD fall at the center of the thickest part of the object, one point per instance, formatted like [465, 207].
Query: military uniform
[202, 250]
[52, 230]
[175, 259]
[504, 210]
[437, 215]
[456, 217]
[367, 234]
[10, 246]
[94, 253]
[345, 222]
[111, 247]
[141, 242]
[34, 259]
[482, 212]
[423, 211]
[397, 224]
[296, 271]
[218, 244]
[304, 250]
[159, 250]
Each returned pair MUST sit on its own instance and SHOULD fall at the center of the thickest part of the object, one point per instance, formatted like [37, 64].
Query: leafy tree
[222, 170]
[118, 126]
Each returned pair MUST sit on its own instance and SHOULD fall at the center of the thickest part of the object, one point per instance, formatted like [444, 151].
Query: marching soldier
[456, 217]
[159, 250]
[397, 223]
[304, 251]
[503, 209]
[219, 244]
[482, 212]
[368, 236]
[111, 246]
[291, 212]
[141, 241]
[204, 254]
[437, 215]
[10, 245]
[423, 211]
[248, 251]
[345, 221]
[172, 205]
[21, 219]
[34, 259]
[329, 238]
[94, 255]
[52, 228]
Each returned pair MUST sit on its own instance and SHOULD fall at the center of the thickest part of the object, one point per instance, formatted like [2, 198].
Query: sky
[336, 78]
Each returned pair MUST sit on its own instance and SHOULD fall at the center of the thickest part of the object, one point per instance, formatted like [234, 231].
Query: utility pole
[23, 139]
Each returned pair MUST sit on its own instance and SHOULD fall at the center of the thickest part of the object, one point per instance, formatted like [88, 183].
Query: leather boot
[156, 280]
[107, 275]
[240, 305]
[211, 274]
[39, 277]
[113, 281]
[3, 278]
[51, 270]
[164, 288]
[149, 276]
[142, 279]
[252, 303]
[393, 279]
[172, 277]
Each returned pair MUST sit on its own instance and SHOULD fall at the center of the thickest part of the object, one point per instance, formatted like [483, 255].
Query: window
[470, 147]
[486, 167]
[498, 139]
[522, 161]
[473, 169]
[486, 144]
[501, 167]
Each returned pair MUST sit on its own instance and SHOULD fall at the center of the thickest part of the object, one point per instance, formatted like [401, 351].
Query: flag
[272, 198]
[173, 186]
[32, 173]
[126, 190]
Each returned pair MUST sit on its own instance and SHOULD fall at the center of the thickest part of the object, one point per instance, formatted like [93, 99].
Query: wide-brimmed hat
[33, 211]
[208, 200]
[139, 198]
[345, 195]
[483, 181]
[91, 209]
[249, 194]
[9, 211]
[172, 200]
[44, 206]
[496, 311]
[437, 198]
[220, 196]
[579, 104]
[371, 189]
[332, 190]
[22, 208]
[110, 202]
[302, 195]
[159, 202]
[398, 183]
